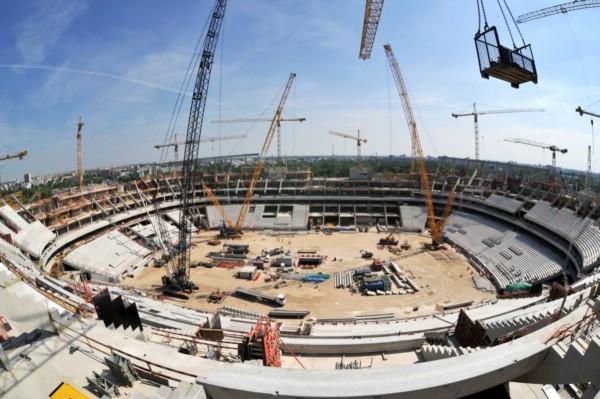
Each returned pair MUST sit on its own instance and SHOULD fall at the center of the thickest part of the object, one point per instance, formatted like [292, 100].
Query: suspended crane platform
[515, 66]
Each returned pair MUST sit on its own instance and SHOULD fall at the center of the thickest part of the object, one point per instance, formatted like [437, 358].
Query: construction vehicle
[389, 239]
[553, 148]
[558, 9]
[252, 120]
[436, 226]
[175, 144]
[475, 114]
[366, 254]
[177, 277]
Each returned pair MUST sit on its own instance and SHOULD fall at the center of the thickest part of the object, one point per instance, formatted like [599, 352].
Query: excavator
[436, 226]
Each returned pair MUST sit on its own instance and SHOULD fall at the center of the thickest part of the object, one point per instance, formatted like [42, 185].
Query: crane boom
[582, 112]
[203, 140]
[371, 22]
[412, 127]
[250, 120]
[263, 152]
[179, 277]
[558, 9]
[553, 148]
[20, 155]
[359, 140]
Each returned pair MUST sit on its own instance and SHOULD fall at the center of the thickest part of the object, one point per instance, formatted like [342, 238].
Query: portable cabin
[515, 66]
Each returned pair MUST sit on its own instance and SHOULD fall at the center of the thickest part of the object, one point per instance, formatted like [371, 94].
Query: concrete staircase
[571, 362]
[437, 352]
[533, 320]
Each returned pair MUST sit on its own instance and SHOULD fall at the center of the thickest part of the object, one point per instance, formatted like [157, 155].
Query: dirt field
[443, 276]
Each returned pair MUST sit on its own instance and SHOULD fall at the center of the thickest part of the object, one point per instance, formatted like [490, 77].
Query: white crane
[359, 140]
[475, 114]
[175, 144]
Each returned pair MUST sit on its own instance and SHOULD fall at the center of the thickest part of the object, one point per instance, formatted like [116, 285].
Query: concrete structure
[109, 257]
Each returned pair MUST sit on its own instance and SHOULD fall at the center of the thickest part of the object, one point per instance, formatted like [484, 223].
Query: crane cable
[194, 59]
[514, 22]
[480, 10]
[506, 22]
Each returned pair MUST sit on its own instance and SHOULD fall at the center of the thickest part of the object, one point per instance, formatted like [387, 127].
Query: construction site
[453, 278]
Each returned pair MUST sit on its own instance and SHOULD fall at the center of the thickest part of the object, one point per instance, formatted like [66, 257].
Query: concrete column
[4, 363]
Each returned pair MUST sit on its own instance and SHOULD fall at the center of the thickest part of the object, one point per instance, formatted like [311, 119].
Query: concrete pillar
[4, 363]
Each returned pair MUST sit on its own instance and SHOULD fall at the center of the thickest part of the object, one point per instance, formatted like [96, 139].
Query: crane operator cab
[515, 65]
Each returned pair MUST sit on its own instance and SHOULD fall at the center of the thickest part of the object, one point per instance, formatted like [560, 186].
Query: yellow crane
[175, 144]
[20, 155]
[260, 162]
[373, 10]
[359, 141]
[435, 226]
[252, 120]
[235, 229]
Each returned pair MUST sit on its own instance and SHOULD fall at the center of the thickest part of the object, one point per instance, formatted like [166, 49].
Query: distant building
[27, 180]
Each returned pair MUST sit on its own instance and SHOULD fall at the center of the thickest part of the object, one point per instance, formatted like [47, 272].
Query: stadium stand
[258, 218]
[32, 237]
[503, 203]
[508, 256]
[582, 232]
[413, 218]
[108, 257]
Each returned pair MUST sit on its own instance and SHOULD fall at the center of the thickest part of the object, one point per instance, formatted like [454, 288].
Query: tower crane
[175, 144]
[359, 141]
[436, 227]
[20, 155]
[80, 153]
[553, 148]
[178, 271]
[558, 9]
[475, 114]
[371, 21]
[252, 120]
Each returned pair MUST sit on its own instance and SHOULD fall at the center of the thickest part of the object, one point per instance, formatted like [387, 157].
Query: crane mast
[436, 231]
[80, 153]
[178, 275]
[263, 153]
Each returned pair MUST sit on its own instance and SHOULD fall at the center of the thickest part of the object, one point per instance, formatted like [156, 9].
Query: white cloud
[42, 29]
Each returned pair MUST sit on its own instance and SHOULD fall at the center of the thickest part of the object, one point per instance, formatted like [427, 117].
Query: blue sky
[148, 44]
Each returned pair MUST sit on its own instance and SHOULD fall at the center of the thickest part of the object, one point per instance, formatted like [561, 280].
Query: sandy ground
[443, 276]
